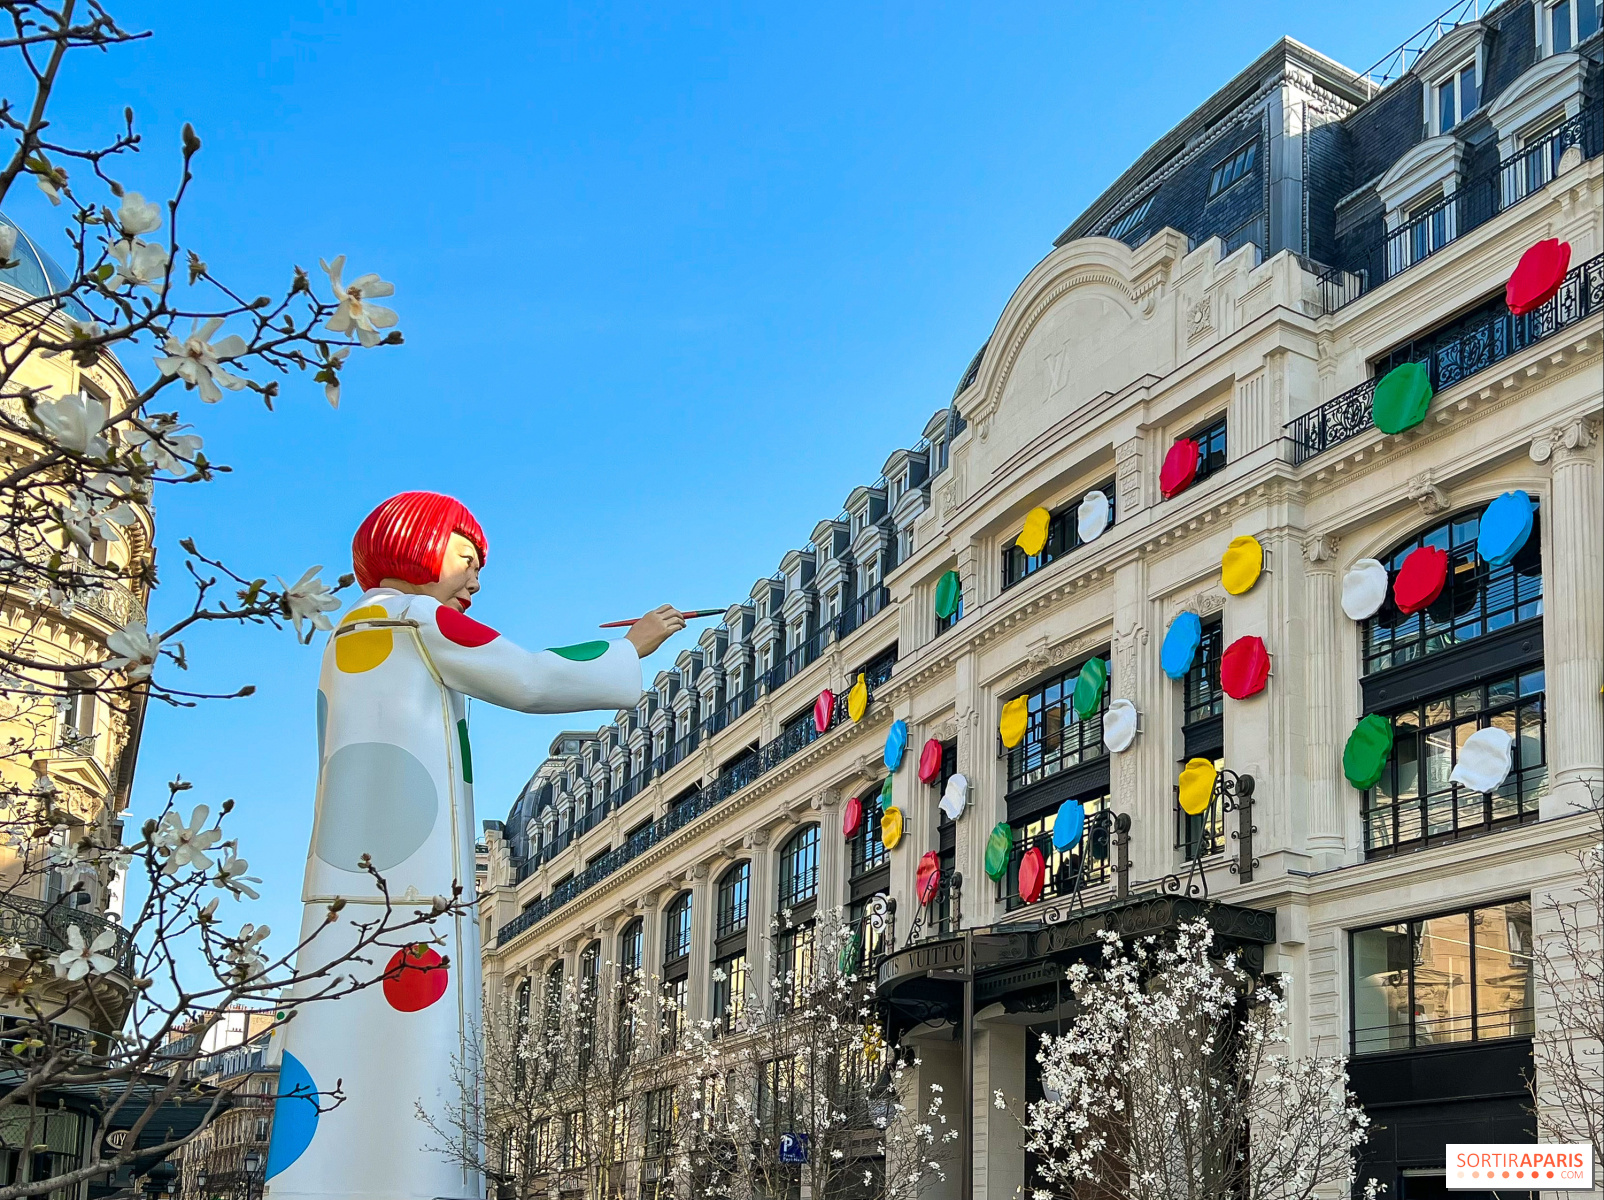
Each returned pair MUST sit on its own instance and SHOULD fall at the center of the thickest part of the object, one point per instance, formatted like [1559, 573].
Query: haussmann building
[1197, 360]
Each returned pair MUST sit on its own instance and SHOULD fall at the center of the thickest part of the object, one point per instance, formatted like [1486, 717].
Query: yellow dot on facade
[1013, 721]
[1197, 786]
[891, 827]
[1241, 564]
[858, 699]
[366, 648]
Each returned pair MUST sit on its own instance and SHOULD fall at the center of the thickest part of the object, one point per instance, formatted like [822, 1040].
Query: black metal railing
[43, 925]
[730, 711]
[1383, 254]
[863, 610]
[803, 656]
[1087, 863]
[1463, 349]
[737, 775]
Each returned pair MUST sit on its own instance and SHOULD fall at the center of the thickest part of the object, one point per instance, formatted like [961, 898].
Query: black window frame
[866, 849]
[799, 869]
[734, 902]
[1212, 448]
[1523, 689]
[1233, 168]
[1063, 538]
[1066, 870]
[1129, 221]
[1056, 694]
[1202, 835]
[679, 911]
[1202, 698]
[1411, 1006]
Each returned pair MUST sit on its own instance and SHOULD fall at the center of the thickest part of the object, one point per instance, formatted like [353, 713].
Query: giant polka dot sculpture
[1420, 579]
[1091, 518]
[1180, 645]
[1119, 725]
[1241, 564]
[896, 744]
[1033, 537]
[858, 698]
[1196, 786]
[955, 796]
[1068, 825]
[852, 818]
[1484, 760]
[891, 826]
[1364, 589]
[363, 649]
[1538, 276]
[1401, 398]
[295, 1115]
[1506, 524]
[1180, 467]
[1032, 875]
[1089, 685]
[930, 761]
[1369, 746]
[999, 845]
[1012, 723]
[823, 711]
[1244, 667]
[927, 879]
[949, 590]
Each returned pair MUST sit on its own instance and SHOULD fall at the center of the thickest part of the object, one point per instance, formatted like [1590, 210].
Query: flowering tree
[799, 1089]
[96, 363]
[558, 1077]
[1174, 1082]
[1568, 977]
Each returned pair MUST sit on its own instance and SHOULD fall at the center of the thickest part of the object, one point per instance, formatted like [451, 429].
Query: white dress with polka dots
[395, 784]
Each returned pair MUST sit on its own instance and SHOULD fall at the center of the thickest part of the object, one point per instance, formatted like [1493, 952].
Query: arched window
[1472, 659]
[629, 947]
[554, 994]
[799, 868]
[729, 945]
[630, 942]
[676, 967]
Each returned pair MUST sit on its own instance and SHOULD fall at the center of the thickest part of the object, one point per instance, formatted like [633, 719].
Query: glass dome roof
[36, 273]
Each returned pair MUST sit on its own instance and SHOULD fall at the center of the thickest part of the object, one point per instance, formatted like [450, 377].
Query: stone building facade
[1245, 284]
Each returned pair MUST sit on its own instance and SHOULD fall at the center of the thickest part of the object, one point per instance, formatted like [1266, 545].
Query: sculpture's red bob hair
[405, 538]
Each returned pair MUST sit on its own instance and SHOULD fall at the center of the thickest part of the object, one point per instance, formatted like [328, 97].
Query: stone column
[759, 912]
[1323, 678]
[832, 856]
[702, 920]
[1573, 615]
[999, 1162]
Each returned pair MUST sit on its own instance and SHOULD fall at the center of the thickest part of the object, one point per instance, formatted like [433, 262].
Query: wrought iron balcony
[38, 924]
[1383, 253]
[1462, 349]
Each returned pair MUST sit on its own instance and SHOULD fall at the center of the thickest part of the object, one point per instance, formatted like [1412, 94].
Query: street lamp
[253, 1163]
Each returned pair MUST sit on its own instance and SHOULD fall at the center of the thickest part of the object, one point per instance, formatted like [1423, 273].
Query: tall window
[676, 968]
[589, 991]
[662, 1115]
[1211, 443]
[1201, 696]
[1473, 659]
[868, 851]
[554, 995]
[1198, 835]
[1570, 22]
[1063, 537]
[868, 874]
[630, 943]
[1056, 738]
[799, 868]
[1457, 97]
[1083, 864]
[1233, 169]
[729, 946]
[1461, 977]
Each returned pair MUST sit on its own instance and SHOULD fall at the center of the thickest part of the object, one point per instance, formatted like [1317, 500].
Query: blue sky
[673, 281]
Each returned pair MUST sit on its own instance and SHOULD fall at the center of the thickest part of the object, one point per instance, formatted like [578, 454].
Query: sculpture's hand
[655, 628]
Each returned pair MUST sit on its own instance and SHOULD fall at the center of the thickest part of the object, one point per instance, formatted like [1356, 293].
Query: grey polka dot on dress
[377, 800]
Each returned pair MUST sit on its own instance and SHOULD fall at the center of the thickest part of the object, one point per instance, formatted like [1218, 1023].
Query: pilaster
[1323, 677]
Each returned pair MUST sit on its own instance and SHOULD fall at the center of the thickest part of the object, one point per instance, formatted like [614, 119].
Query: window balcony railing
[43, 925]
[739, 774]
[1463, 350]
[1384, 253]
[865, 609]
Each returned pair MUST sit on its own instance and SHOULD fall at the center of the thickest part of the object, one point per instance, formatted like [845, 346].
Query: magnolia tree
[1175, 1081]
[138, 308]
[1568, 978]
[558, 1077]
[795, 1087]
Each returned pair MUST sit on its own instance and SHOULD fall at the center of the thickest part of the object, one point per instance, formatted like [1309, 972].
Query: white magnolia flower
[138, 264]
[186, 844]
[47, 185]
[74, 423]
[78, 960]
[308, 599]
[135, 649]
[72, 863]
[330, 375]
[78, 330]
[136, 215]
[195, 360]
[162, 446]
[231, 876]
[248, 961]
[355, 315]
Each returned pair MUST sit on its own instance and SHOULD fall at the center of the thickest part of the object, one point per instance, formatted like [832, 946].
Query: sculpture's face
[459, 576]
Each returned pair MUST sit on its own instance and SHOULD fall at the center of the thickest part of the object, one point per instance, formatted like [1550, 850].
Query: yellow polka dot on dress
[363, 649]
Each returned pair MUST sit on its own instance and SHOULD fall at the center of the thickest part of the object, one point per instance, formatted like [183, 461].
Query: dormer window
[1457, 96]
[1120, 229]
[1565, 24]
[1233, 169]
